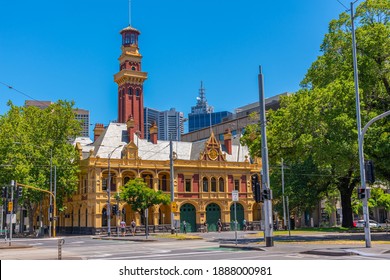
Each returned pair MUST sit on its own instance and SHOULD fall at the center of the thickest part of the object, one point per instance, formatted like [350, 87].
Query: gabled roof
[113, 140]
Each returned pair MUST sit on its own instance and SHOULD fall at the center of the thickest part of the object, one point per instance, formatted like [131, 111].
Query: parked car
[373, 224]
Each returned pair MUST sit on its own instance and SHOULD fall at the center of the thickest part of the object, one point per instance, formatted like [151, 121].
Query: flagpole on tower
[129, 12]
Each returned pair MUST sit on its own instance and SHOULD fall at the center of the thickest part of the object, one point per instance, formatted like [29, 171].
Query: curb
[15, 247]
[125, 239]
[241, 247]
[329, 252]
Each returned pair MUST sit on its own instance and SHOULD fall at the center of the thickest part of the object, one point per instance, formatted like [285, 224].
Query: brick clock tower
[130, 80]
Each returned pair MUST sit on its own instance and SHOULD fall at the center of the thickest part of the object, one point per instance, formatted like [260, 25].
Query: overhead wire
[23, 93]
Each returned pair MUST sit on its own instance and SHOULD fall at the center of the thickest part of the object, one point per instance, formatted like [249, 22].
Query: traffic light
[20, 192]
[369, 171]
[4, 192]
[361, 193]
[256, 188]
[114, 209]
[267, 194]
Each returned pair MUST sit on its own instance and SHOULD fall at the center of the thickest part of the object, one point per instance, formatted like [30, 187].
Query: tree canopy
[319, 121]
[139, 196]
[32, 140]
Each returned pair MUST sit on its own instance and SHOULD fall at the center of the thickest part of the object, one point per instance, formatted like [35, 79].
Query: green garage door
[188, 214]
[213, 213]
[240, 216]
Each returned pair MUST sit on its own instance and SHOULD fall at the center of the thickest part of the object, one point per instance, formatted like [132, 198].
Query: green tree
[303, 184]
[34, 139]
[372, 19]
[140, 197]
[319, 121]
[379, 198]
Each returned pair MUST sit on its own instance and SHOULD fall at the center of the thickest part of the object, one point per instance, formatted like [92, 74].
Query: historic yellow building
[205, 172]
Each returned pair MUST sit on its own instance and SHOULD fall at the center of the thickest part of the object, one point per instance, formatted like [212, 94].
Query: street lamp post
[171, 168]
[117, 213]
[171, 183]
[367, 233]
[109, 192]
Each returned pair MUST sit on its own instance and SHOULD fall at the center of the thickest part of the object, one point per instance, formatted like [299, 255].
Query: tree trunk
[346, 208]
[346, 186]
[31, 210]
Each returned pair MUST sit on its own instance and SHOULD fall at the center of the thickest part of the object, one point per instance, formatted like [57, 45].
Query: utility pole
[51, 189]
[11, 211]
[267, 194]
[366, 214]
[171, 183]
[284, 205]
[109, 192]
[55, 202]
[108, 198]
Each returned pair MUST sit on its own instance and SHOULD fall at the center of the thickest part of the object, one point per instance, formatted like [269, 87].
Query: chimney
[153, 133]
[130, 128]
[97, 131]
[227, 137]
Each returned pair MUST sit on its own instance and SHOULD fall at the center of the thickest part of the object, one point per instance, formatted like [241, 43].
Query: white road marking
[167, 255]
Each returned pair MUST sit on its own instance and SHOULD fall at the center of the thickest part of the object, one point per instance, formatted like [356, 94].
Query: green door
[213, 213]
[188, 214]
[240, 216]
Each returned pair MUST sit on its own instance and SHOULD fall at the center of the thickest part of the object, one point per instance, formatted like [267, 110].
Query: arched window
[127, 179]
[213, 184]
[148, 180]
[205, 185]
[221, 185]
[137, 92]
[130, 91]
[163, 183]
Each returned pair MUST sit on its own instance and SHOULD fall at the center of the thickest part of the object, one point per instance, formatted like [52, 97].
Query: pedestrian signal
[361, 193]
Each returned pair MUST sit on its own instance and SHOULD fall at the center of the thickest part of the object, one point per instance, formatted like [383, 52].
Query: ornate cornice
[130, 76]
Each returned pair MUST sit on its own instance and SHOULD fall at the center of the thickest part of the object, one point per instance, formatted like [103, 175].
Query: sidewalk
[325, 244]
[320, 244]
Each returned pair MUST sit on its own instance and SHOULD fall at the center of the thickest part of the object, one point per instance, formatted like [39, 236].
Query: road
[88, 248]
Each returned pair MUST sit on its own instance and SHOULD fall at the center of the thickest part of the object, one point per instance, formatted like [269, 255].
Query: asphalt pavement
[327, 244]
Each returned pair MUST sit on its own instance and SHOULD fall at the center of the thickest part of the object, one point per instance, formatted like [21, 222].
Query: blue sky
[69, 50]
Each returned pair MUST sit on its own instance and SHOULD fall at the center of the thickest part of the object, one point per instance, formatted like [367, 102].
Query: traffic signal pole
[265, 178]
[11, 212]
[54, 203]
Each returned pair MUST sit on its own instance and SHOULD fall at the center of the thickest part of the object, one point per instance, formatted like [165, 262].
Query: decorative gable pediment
[212, 150]
[130, 151]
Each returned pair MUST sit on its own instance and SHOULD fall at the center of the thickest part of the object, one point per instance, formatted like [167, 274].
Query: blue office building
[199, 121]
[202, 115]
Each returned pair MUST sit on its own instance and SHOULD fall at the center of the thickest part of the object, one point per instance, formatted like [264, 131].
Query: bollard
[60, 243]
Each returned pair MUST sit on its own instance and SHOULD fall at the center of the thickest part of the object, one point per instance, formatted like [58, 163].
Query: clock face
[213, 154]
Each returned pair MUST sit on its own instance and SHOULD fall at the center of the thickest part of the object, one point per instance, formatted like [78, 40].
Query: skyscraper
[202, 115]
[170, 123]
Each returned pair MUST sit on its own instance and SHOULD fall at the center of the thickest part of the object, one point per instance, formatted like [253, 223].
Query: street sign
[235, 195]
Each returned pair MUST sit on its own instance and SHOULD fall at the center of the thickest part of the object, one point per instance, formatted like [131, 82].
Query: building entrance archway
[240, 216]
[188, 214]
[213, 213]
